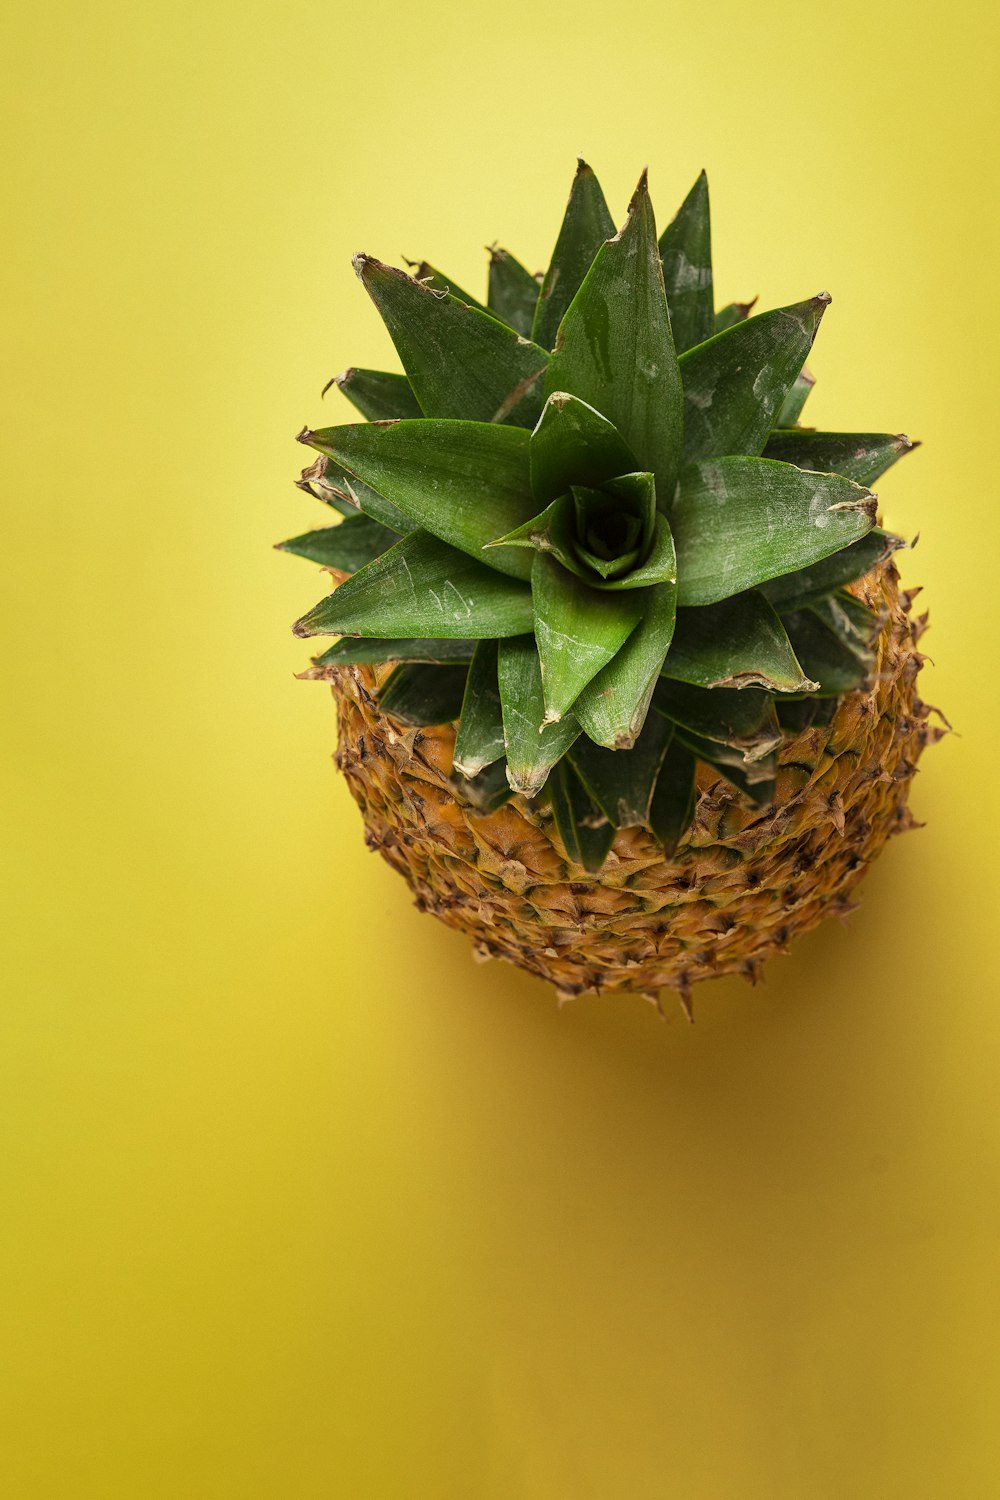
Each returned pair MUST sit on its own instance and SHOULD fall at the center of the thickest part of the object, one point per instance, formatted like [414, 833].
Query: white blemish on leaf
[464, 610]
[714, 481]
[701, 399]
[688, 277]
[561, 640]
[409, 577]
[819, 511]
[761, 384]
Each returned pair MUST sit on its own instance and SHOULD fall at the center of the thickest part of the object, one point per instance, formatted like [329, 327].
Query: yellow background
[298, 1202]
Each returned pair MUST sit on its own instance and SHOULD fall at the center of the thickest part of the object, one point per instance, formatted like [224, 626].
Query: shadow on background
[654, 1222]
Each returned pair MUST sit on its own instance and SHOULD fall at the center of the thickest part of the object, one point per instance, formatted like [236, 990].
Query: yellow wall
[299, 1202]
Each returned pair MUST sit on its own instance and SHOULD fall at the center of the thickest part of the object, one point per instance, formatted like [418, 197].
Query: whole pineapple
[626, 684]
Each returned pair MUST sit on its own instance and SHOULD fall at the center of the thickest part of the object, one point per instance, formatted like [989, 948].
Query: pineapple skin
[742, 886]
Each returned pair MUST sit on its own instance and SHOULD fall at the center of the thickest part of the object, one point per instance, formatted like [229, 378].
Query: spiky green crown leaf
[586, 523]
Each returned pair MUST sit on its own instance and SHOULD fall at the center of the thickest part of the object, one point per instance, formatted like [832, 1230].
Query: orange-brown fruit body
[744, 883]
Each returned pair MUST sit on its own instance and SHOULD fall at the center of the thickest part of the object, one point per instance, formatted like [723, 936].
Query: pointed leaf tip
[615, 350]
[813, 311]
[369, 265]
[461, 361]
[378, 394]
[512, 291]
[533, 747]
[810, 313]
[421, 587]
[466, 482]
[305, 436]
[686, 253]
[777, 519]
[736, 383]
[639, 200]
[586, 226]
[861, 456]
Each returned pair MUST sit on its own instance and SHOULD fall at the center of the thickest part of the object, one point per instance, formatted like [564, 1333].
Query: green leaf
[490, 789]
[672, 806]
[622, 781]
[420, 694]
[574, 444]
[755, 778]
[480, 732]
[742, 718]
[612, 708]
[333, 485]
[466, 482]
[838, 667]
[346, 547]
[557, 791]
[861, 456]
[793, 590]
[735, 382]
[616, 352]
[686, 251]
[553, 530]
[583, 828]
[756, 782]
[739, 642]
[615, 522]
[740, 521]
[379, 395]
[423, 587]
[854, 622]
[585, 226]
[513, 294]
[443, 285]
[799, 714]
[660, 565]
[533, 747]
[461, 362]
[578, 630]
[359, 650]
[731, 314]
[608, 536]
[791, 408]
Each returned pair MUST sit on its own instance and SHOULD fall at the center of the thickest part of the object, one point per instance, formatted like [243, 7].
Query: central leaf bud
[610, 532]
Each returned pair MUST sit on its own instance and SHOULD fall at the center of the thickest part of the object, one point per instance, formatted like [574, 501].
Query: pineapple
[625, 680]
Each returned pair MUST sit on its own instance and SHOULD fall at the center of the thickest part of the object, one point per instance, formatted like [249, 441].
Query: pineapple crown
[587, 524]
